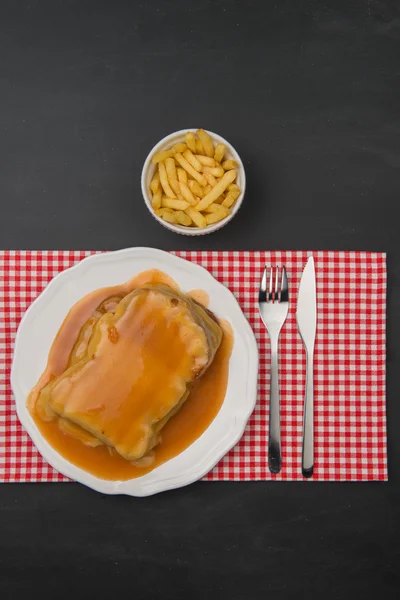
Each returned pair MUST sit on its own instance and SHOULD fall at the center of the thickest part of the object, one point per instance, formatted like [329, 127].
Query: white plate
[43, 319]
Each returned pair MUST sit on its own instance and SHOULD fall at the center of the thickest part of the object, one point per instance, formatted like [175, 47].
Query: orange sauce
[181, 430]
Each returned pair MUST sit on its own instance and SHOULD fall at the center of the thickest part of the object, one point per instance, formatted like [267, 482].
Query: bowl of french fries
[193, 182]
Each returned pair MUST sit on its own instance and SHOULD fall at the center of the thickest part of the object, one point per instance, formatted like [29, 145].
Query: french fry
[199, 147]
[217, 190]
[181, 147]
[182, 175]
[156, 199]
[192, 160]
[229, 199]
[207, 142]
[207, 189]
[232, 195]
[169, 217]
[229, 164]
[164, 180]
[175, 204]
[210, 178]
[217, 208]
[214, 218]
[170, 167]
[187, 194]
[166, 215]
[183, 218]
[196, 188]
[162, 156]
[189, 169]
[191, 141]
[197, 218]
[216, 171]
[155, 182]
[234, 188]
[219, 152]
[205, 160]
[176, 188]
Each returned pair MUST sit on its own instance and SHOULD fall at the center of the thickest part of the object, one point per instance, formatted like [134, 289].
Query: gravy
[182, 429]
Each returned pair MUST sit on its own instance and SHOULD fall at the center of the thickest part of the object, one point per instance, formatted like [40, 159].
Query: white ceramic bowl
[149, 170]
[42, 320]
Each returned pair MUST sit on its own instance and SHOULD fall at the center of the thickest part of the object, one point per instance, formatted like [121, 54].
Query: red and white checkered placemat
[350, 360]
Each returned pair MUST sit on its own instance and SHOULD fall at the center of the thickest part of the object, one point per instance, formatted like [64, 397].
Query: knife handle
[308, 424]
[274, 442]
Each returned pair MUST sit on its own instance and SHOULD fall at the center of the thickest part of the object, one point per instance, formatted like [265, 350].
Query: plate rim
[232, 434]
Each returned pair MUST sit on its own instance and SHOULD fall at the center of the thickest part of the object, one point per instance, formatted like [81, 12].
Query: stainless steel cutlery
[306, 315]
[273, 300]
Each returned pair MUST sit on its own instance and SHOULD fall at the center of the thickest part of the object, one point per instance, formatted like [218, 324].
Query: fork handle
[274, 443]
[308, 425]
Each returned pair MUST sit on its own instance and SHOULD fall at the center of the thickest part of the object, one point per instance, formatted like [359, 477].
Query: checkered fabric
[350, 357]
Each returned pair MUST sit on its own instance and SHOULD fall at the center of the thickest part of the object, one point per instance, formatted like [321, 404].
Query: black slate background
[309, 94]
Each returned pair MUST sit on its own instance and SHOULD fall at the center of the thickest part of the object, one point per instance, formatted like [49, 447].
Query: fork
[274, 305]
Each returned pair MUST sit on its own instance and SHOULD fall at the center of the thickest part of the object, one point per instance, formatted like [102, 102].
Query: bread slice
[137, 368]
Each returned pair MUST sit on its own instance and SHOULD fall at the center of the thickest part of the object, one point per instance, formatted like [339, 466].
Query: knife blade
[306, 315]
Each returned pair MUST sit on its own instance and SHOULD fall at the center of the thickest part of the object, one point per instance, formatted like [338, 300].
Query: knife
[307, 323]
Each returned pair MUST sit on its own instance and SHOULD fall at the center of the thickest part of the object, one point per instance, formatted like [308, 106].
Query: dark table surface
[309, 93]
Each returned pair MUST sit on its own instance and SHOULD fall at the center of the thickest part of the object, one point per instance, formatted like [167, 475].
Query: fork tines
[277, 289]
